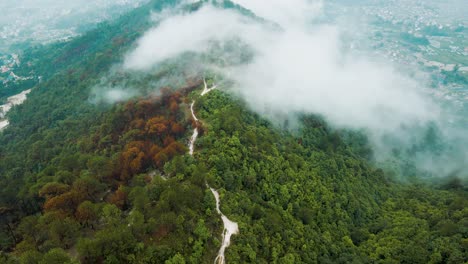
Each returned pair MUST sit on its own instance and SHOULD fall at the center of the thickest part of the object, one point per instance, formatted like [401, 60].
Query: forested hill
[86, 182]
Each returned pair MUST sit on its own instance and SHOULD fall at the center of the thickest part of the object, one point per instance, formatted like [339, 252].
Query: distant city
[427, 35]
[418, 34]
[30, 22]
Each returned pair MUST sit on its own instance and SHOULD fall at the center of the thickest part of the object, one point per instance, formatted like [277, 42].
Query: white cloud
[294, 69]
[301, 67]
[187, 33]
[111, 95]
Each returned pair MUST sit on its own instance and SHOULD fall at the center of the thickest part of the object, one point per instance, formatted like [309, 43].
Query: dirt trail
[230, 227]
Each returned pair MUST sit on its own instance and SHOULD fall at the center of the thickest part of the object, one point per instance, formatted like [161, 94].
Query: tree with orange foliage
[145, 108]
[173, 106]
[176, 148]
[177, 95]
[177, 129]
[65, 203]
[157, 125]
[138, 124]
[168, 153]
[132, 160]
[154, 149]
[168, 141]
[160, 158]
[119, 198]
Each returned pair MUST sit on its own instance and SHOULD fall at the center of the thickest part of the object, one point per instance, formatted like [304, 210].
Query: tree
[114, 244]
[157, 126]
[176, 259]
[87, 188]
[53, 189]
[99, 166]
[31, 257]
[65, 203]
[132, 160]
[110, 214]
[119, 198]
[87, 213]
[55, 256]
[177, 129]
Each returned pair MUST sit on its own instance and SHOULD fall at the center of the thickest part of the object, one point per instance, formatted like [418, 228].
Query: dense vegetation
[92, 183]
[311, 199]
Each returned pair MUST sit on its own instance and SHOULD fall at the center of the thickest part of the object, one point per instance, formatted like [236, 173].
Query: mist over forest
[310, 62]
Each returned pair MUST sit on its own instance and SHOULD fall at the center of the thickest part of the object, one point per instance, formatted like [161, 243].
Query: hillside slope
[115, 183]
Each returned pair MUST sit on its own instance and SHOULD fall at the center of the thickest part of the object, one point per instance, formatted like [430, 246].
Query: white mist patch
[117, 95]
[302, 72]
[111, 95]
[300, 67]
[296, 69]
[187, 33]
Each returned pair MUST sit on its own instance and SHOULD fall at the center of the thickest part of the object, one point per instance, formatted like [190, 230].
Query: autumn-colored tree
[156, 126]
[65, 203]
[138, 124]
[173, 106]
[154, 149]
[168, 141]
[145, 108]
[53, 189]
[177, 129]
[119, 198]
[160, 158]
[132, 159]
[176, 95]
[175, 148]
[136, 163]
[168, 152]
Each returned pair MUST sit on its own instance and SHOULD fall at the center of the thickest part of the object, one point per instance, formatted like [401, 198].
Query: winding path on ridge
[230, 227]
